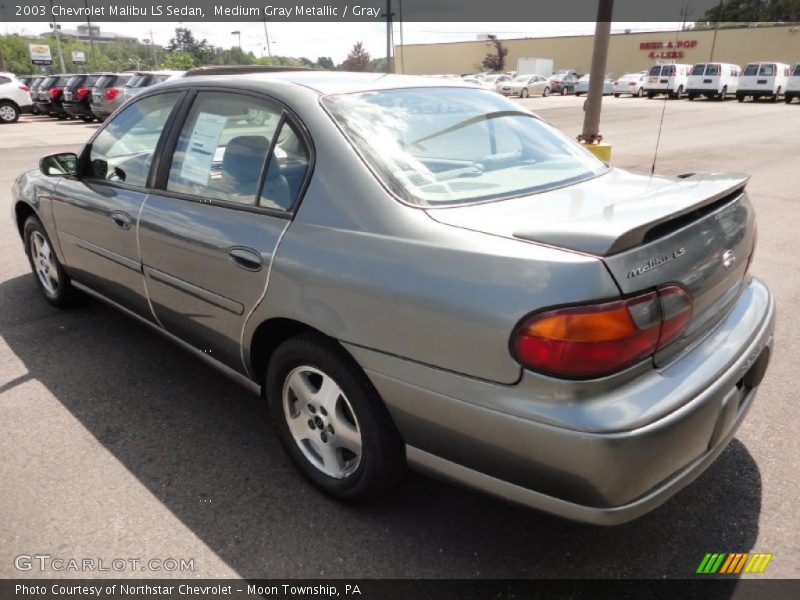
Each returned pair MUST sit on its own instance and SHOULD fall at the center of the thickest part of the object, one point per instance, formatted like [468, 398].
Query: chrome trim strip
[104, 253]
[197, 292]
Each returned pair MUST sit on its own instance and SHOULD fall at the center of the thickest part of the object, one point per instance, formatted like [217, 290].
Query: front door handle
[246, 258]
[123, 220]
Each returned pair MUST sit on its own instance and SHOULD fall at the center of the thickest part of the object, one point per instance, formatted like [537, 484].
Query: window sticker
[202, 147]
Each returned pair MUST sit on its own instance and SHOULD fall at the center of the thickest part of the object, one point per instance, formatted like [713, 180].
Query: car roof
[330, 82]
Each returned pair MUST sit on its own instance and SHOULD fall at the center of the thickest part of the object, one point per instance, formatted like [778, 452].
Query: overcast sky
[313, 40]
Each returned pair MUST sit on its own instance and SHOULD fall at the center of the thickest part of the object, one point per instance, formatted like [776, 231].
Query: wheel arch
[22, 210]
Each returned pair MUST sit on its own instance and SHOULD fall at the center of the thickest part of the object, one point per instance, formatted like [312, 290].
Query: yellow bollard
[601, 151]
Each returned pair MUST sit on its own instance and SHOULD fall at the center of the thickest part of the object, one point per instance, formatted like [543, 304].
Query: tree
[179, 60]
[495, 61]
[325, 62]
[735, 13]
[184, 40]
[357, 60]
[381, 65]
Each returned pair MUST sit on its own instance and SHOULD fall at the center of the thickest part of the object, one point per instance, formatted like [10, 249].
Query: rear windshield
[668, 70]
[440, 146]
[751, 70]
[655, 71]
[106, 81]
[698, 69]
[91, 80]
[75, 80]
[137, 81]
[49, 82]
[767, 70]
[796, 71]
[712, 70]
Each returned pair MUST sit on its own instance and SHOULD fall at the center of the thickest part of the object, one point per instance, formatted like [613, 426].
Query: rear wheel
[690, 95]
[546, 92]
[523, 93]
[616, 95]
[740, 97]
[331, 420]
[87, 119]
[651, 95]
[563, 91]
[53, 281]
[774, 98]
[788, 98]
[679, 93]
[723, 94]
[639, 93]
[9, 113]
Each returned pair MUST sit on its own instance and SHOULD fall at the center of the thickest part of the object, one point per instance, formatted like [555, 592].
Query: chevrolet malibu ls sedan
[421, 272]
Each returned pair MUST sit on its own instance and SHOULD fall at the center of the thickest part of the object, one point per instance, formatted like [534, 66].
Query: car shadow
[203, 445]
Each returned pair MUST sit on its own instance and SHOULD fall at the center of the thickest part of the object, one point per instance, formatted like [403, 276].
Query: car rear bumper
[26, 108]
[755, 92]
[609, 459]
[77, 109]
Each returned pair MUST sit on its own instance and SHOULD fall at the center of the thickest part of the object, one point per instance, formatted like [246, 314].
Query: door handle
[246, 258]
[122, 219]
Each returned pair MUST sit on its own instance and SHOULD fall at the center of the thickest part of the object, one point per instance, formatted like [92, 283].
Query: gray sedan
[420, 273]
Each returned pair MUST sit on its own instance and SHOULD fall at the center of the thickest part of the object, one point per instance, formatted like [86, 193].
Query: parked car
[712, 80]
[582, 86]
[667, 79]
[50, 95]
[525, 86]
[494, 81]
[15, 98]
[77, 100]
[399, 264]
[34, 91]
[630, 83]
[763, 79]
[144, 79]
[563, 83]
[793, 85]
[107, 94]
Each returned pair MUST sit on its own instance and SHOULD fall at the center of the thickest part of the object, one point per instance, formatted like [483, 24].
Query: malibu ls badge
[655, 263]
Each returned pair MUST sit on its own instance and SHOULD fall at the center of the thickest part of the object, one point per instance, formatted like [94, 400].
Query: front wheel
[546, 92]
[9, 113]
[740, 97]
[53, 281]
[639, 93]
[563, 91]
[788, 98]
[331, 420]
[651, 95]
[679, 93]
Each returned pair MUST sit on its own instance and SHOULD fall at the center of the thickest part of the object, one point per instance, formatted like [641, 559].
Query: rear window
[440, 146]
[796, 71]
[698, 69]
[712, 70]
[75, 80]
[49, 82]
[136, 81]
[751, 70]
[91, 80]
[158, 79]
[668, 70]
[655, 71]
[767, 70]
[106, 81]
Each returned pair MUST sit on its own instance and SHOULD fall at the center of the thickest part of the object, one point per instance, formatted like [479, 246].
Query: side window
[4, 80]
[222, 149]
[287, 170]
[123, 151]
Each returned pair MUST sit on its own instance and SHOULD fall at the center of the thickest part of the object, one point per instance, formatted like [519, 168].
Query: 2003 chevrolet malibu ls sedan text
[421, 272]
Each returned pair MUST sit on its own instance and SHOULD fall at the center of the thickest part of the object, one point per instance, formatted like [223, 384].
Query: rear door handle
[246, 258]
[123, 220]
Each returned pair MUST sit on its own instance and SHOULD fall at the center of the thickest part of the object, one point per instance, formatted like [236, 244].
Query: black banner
[376, 10]
[403, 589]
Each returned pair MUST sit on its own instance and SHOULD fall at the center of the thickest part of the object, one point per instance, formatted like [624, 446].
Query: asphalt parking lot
[118, 444]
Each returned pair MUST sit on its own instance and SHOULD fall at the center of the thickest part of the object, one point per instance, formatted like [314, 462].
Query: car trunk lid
[695, 231]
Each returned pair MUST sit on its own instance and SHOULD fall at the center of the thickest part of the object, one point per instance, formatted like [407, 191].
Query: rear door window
[654, 71]
[767, 70]
[712, 70]
[751, 70]
[668, 70]
[698, 69]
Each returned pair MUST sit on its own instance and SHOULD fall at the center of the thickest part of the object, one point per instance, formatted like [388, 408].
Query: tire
[723, 94]
[739, 98]
[690, 96]
[297, 371]
[53, 282]
[788, 98]
[523, 93]
[651, 95]
[679, 93]
[545, 92]
[578, 94]
[616, 95]
[774, 98]
[87, 119]
[9, 113]
[563, 91]
[639, 93]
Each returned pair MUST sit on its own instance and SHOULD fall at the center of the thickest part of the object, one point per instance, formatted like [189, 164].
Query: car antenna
[663, 112]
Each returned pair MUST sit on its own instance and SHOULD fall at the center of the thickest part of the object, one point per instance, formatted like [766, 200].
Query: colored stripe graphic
[733, 563]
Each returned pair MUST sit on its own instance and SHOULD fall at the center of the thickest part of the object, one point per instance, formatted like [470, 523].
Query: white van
[793, 85]
[761, 79]
[712, 80]
[667, 79]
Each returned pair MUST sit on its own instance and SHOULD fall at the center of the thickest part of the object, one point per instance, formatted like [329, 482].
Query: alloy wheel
[44, 263]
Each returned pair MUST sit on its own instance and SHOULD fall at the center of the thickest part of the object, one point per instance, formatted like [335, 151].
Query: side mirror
[63, 163]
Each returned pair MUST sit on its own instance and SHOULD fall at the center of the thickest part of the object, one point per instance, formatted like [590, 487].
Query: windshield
[435, 146]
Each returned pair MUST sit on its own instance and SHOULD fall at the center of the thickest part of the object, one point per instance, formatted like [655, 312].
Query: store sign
[40, 54]
[671, 49]
[78, 57]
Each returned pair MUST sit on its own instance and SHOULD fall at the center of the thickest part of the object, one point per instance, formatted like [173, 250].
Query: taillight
[111, 93]
[81, 93]
[25, 88]
[632, 83]
[589, 341]
[54, 92]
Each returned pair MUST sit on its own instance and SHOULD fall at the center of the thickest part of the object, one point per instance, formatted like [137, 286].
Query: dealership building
[628, 52]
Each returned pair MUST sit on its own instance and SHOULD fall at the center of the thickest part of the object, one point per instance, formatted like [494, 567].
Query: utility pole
[153, 50]
[92, 63]
[389, 36]
[56, 27]
[266, 36]
[597, 74]
[716, 29]
[402, 52]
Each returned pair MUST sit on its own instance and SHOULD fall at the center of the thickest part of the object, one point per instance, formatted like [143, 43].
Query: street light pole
[239, 35]
[266, 36]
[594, 96]
[55, 26]
[92, 60]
